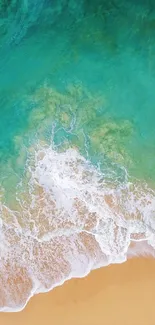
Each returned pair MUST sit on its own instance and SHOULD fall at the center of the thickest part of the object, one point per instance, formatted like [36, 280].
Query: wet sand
[121, 294]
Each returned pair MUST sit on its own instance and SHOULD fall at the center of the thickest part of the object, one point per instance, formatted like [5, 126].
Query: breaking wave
[68, 218]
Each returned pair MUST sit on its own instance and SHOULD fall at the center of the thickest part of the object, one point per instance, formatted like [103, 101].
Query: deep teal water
[106, 48]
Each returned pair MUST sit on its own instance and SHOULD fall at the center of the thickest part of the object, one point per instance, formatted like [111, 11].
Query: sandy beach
[121, 294]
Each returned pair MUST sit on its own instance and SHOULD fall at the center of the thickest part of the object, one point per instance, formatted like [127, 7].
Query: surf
[68, 219]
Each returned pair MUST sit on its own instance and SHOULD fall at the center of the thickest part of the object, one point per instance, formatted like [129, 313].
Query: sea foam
[68, 219]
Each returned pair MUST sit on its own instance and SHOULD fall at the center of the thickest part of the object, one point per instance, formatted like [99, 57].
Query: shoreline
[134, 252]
[113, 293]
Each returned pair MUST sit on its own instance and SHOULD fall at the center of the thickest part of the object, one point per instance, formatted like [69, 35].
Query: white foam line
[67, 176]
[34, 290]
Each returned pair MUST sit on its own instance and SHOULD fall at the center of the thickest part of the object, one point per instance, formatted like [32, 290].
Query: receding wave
[67, 219]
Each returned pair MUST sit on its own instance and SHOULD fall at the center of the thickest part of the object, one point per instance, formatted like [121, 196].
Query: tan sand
[121, 294]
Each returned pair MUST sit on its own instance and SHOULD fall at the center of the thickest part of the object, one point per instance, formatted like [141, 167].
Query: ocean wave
[68, 219]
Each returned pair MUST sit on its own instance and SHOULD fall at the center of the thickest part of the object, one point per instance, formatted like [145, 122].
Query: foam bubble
[67, 220]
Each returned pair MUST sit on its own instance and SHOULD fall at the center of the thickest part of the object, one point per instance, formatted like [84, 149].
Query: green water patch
[79, 114]
[82, 74]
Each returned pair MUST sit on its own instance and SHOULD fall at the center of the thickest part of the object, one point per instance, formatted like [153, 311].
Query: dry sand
[121, 294]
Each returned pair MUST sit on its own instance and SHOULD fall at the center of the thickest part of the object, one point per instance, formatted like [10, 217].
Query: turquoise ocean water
[77, 140]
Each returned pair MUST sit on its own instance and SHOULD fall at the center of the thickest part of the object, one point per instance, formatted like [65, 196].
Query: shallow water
[77, 140]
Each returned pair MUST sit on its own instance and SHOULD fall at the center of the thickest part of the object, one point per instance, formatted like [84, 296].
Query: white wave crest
[67, 220]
